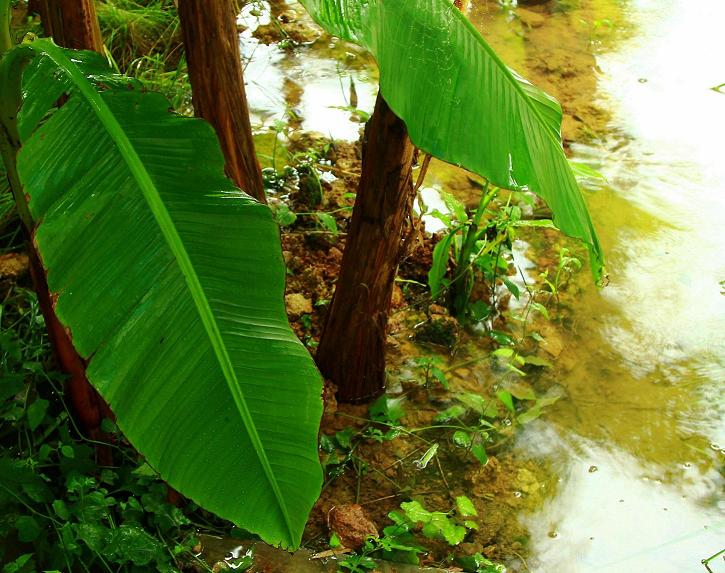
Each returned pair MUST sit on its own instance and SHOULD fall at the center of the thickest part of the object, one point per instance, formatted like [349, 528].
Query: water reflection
[643, 362]
[309, 85]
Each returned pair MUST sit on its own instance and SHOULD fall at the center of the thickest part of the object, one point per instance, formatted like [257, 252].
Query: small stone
[13, 265]
[335, 254]
[553, 344]
[297, 305]
[531, 18]
[220, 566]
[351, 525]
[440, 329]
[287, 17]
[398, 298]
[437, 309]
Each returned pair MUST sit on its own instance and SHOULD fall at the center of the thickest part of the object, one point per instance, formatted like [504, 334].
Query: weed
[430, 369]
[134, 29]
[400, 541]
[60, 509]
[300, 181]
[476, 245]
[143, 40]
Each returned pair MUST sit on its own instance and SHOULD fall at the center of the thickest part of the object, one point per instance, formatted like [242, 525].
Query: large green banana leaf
[170, 282]
[461, 103]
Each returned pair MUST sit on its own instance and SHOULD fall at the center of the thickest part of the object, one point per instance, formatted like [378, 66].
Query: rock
[526, 481]
[391, 343]
[287, 17]
[297, 305]
[437, 309]
[439, 329]
[13, 265]
[328, 397]
[553, 344]
[530, 18]
[398, 298]
[335, 254]
[351, 525]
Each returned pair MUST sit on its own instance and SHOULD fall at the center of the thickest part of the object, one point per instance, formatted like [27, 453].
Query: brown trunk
[352, 347]
[89, 409]
[72, 23]
[215, 70]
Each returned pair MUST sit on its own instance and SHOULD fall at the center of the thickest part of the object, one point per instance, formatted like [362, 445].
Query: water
[637, 443]
[646, 355]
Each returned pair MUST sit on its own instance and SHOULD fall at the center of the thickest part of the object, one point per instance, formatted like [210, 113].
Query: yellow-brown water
[637, 443]
[644, 362]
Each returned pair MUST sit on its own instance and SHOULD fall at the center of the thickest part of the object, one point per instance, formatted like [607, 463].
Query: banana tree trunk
[352, 347]
[215, 69]
[72, 23]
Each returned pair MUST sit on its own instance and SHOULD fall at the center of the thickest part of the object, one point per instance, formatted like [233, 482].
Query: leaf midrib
[176, 245]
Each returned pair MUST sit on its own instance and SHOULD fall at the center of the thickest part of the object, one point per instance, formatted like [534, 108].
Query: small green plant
[476, 250]
[396, 544]
[133, 29]
[479, 564]
[61, 509]
[514, 398]
[399, 541]
[143, 40]
[430, 370]
[451, 527]
[515, 352]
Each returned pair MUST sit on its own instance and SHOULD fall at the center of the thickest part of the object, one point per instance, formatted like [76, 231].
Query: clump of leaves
[451, 527]
[400, 541]
[431, 371]
[59, 509]
[479, 564]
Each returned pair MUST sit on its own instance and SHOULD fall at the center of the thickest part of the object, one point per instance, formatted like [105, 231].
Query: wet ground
[625, 472]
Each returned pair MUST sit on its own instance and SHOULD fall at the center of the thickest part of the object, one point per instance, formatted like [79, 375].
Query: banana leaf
[462, 104]
[170, 282]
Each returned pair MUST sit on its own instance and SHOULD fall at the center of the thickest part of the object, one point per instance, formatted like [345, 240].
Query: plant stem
[462, 289]
[6, 41]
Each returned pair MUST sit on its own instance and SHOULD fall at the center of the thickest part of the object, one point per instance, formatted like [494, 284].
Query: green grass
[59, 508]
[143, 39]
[135, 29]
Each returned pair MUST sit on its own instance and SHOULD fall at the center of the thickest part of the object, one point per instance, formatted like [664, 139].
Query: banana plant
[169, 281]
[462, 104]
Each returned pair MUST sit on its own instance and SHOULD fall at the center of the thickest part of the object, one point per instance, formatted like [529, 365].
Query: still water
[639, 443]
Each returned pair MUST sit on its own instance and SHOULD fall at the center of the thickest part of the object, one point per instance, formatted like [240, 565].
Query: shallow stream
[638, 444]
